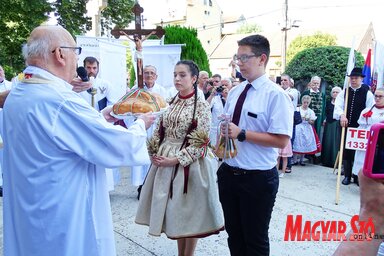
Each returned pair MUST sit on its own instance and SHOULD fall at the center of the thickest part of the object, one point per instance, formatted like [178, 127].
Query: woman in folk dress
[180, 195]
[330, 145]
[368, 117]
[305, 140]
[284, 153]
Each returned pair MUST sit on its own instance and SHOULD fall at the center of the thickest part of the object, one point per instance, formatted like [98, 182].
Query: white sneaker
[281, 175]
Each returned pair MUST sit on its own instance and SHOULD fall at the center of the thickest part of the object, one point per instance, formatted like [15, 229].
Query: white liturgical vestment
[56, 147]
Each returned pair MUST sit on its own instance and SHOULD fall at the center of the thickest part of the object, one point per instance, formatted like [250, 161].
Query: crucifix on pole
[138, 36]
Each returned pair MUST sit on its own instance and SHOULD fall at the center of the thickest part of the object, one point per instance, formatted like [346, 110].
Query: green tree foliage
[193, 50]
[249, 28]
[17, 19]
[71, 14]
[118, 13]
[305, 42]
[328, 62]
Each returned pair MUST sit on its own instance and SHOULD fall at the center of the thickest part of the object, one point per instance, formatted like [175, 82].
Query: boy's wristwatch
[241, 136]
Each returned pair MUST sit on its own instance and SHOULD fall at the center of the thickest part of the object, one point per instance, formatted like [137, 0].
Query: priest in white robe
[56, 148]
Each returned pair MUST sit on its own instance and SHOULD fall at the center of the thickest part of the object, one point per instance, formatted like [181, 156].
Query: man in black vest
[359, 98]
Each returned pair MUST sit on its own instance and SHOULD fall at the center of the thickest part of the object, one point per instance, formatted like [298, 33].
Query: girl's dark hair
[194, 69]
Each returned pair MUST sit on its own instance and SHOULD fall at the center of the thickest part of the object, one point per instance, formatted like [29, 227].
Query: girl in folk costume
[306, 140]
[332, 132]
[284, 153]
[368, 117]
[180, 194]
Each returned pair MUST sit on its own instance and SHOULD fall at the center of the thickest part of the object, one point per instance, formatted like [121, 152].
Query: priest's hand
[148, 119]
[106, 112]
[164, 161]
[80, 86]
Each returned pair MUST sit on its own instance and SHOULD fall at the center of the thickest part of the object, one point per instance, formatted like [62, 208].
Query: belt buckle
[238, 171]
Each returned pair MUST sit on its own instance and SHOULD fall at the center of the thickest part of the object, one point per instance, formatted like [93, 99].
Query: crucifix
[138, 36]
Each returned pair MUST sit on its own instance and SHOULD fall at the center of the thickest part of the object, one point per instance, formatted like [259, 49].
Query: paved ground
[307, 191]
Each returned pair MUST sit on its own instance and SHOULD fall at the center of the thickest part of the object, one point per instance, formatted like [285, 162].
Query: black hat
[357, 72]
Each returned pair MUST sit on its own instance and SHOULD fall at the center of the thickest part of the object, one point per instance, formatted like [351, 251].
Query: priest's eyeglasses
[244, 58]
[379, 96]
[76, 49]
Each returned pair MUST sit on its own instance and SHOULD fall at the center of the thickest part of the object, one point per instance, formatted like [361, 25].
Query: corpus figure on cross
[139, 48]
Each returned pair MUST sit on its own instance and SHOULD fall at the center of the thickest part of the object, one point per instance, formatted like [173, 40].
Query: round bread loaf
[139, 101]
[159, 100]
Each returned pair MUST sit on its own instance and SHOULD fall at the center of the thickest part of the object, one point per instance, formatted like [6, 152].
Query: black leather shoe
[356, 180]
[346, 181]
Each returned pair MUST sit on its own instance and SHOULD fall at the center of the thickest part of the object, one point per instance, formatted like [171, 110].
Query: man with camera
[213, 82]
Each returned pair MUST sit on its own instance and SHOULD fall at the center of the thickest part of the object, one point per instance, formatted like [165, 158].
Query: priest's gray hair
[42, 45]
[150, 66]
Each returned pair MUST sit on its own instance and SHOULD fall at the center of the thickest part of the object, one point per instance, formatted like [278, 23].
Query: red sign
[297, 229]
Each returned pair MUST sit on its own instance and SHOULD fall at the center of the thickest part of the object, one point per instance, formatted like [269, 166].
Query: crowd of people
[318, 135]
[57, 163]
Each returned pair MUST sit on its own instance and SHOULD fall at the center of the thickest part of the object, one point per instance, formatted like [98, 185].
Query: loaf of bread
[139, 101]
